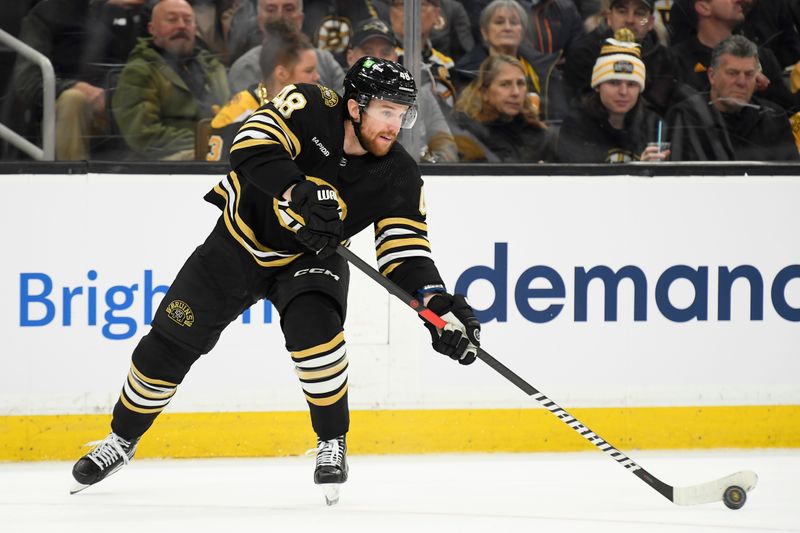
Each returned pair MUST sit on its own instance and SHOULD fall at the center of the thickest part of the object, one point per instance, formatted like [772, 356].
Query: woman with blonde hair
[495, 120]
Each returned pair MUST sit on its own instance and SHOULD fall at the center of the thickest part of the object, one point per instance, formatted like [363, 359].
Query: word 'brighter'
[39, 304]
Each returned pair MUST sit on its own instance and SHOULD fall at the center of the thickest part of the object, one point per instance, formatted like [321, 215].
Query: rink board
[613, 295]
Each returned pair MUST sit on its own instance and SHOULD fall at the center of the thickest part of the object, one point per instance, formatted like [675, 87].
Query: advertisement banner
[602, 291]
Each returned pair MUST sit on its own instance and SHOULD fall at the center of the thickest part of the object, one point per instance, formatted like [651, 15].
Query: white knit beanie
[619, 60]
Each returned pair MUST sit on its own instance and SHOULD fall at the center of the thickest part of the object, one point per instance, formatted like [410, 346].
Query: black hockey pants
[216, 284]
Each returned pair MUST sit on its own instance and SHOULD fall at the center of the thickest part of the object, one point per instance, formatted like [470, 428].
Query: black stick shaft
[665, 490]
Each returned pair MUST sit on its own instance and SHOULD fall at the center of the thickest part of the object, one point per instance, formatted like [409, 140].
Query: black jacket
[587, 137]
[699, 132]
[691, 59]
[660, 85]
[501, 141]
[770, 24]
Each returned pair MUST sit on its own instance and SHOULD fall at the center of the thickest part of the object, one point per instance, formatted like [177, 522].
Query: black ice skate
[108, 456]
[331, 470]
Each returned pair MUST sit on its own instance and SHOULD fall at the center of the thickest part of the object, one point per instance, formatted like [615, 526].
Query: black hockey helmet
[371, 77]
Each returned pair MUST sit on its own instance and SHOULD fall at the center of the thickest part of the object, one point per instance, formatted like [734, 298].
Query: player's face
[506, 93]
[305, 71]
[504, 31]
[173, 27]
[619, 96]
[380, 125]
[289, 10]
[733, 81]
[631, 14]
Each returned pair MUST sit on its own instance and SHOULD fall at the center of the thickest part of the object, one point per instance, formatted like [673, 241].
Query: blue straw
[660, 124]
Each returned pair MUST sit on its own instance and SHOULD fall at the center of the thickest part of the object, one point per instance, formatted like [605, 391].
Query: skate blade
[77, 487]
[331, 492]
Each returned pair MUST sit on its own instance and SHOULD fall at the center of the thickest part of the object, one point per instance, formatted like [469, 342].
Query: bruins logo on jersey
[179, 312]
[334, 34]
[329, 96]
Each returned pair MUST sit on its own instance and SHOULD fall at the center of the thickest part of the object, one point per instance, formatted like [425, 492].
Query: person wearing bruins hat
[640, 18]
[611, 125]
[373, 37]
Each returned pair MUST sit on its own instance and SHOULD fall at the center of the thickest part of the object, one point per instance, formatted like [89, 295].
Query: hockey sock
[157, 368]
[313, 329]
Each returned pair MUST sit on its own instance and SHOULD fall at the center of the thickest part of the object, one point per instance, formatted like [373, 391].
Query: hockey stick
[732, 489]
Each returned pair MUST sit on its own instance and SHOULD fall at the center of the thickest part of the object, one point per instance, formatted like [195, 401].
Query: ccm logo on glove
[461, 336]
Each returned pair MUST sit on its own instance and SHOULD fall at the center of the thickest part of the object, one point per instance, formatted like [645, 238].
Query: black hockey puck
[734, 497]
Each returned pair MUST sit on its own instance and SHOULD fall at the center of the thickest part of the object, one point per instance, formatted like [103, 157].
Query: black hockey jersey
[300, 135]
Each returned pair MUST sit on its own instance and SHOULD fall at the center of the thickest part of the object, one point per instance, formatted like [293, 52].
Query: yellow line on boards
[246, 434]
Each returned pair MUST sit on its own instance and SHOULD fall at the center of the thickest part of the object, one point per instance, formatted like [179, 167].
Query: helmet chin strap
[357, 125]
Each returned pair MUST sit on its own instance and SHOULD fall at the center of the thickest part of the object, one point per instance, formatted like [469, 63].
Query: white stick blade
[713, 490]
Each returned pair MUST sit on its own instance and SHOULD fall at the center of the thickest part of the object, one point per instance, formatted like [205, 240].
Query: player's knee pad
[312, 325]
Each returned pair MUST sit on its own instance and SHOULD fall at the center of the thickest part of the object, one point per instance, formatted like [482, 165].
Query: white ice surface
[497, 493]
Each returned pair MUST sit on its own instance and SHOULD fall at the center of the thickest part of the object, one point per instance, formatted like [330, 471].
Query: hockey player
[308, 171]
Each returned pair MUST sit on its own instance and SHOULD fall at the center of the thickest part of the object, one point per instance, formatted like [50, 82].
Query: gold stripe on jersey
[275, 133]
[286, 130]
[398, 239]
[322, 370]
[403, 243]
[249, 143]
[382, 224]
[266, 127]
[230, 190]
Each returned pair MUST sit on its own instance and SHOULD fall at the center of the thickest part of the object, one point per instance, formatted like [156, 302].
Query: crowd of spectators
[502, 81]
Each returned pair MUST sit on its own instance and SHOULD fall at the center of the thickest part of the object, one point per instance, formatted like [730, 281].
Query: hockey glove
[461, 336]
[320, 210]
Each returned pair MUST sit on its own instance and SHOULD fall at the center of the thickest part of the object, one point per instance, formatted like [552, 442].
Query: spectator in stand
[114, 28]
[436, 66]
[287, 57]
[374, 38]
[495, 121]
[246, 70]
[611, 124]
[332, 23]
[588, 8]
[729, 123]
[716, 21]
[502, 26]
[168, 84]
[67, 32]
[555, 25]
[216, 26]
[768, 23]
[452, 33]
[639, 17]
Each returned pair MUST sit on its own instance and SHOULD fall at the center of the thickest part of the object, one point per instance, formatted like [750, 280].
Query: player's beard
[373, 145]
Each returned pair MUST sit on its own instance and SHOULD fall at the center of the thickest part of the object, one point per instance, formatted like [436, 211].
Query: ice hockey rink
[543, 492]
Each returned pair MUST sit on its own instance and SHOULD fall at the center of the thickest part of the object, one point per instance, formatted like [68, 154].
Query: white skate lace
[330, 452]
[108, 451]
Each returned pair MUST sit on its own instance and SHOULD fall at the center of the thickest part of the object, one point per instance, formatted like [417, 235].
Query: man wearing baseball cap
[373, 37]
[639, 17]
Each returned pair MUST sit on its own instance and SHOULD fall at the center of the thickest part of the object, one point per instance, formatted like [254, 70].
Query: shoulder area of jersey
[327, 96]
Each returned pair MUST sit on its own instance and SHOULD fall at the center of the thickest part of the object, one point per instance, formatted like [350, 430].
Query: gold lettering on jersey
[422, 209]
[329, 96]
[179, 312]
